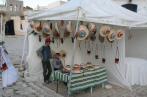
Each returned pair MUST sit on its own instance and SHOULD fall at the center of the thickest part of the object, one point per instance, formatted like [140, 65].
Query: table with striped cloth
[86, 79]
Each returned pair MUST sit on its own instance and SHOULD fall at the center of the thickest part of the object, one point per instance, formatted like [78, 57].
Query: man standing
[46, 54]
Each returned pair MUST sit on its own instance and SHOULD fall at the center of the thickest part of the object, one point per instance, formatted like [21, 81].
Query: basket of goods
[67, 69]
[76, 68]
[89, 66]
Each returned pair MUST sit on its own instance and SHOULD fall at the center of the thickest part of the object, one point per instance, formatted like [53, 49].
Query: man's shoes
[47, 82]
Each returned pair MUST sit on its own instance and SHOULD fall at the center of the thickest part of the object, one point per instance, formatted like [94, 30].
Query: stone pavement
[37, 89]
[23, 88]
[115, 91]
[27, 89]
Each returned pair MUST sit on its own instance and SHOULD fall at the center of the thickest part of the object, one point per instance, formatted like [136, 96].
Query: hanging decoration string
[117, 55]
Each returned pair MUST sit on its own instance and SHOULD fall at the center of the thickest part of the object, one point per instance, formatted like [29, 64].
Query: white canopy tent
[103, 12]
[99, 11]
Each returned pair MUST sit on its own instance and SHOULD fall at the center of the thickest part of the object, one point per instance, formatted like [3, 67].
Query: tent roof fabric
[2, 2]
[98, 11]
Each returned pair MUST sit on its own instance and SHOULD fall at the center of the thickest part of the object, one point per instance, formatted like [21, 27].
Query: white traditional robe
[10, 75]
[35, 71]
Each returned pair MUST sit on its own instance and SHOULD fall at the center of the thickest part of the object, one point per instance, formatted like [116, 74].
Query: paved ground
[23, 88]
[35, 89]
[101, 92]
[27, 89]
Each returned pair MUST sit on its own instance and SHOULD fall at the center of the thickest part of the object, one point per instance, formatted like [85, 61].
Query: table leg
[57, 86]
[68, 89]
[103, 85]
[91, 90]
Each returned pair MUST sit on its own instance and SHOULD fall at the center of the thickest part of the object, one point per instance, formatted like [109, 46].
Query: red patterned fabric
[4, 67]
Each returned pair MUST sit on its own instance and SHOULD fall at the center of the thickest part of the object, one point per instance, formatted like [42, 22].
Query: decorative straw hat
[92, 27]
[112, 36]
[62, 54]
[69, 27]
[104, 31]
[46, 28]
[37, 26]
[56, 33]
[56, 26]
[101, 39]
[61, 27]
[82, 33]
[120, 34]
[51, 27]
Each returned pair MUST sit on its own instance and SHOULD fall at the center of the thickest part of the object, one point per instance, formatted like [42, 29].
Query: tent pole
[74, 50]
[23, 50]
[2, 33]
[1, 28]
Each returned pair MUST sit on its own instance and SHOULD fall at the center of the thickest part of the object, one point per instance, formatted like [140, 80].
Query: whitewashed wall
[137, 45]
[14, 46]
[17, 25]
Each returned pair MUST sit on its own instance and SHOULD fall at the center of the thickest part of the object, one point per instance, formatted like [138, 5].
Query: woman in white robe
[10, 75]
[35, 71]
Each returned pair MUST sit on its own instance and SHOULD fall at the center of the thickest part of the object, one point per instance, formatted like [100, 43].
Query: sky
[2, 2]
[34, 3]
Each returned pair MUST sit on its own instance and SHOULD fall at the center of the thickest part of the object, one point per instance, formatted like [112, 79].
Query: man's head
[47, 41]
[57, 55]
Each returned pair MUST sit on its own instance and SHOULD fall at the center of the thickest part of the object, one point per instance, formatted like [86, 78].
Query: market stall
[108, 42]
